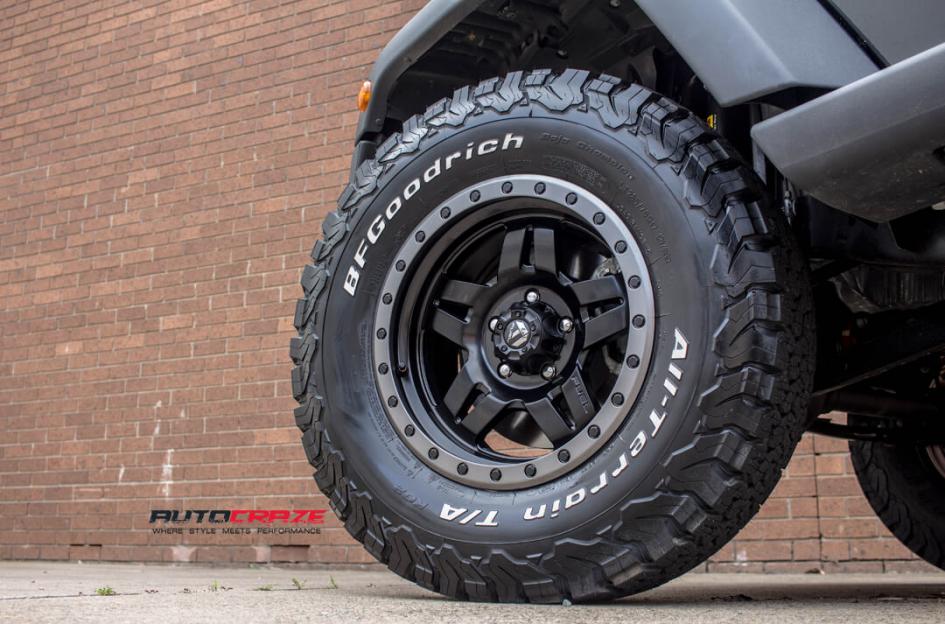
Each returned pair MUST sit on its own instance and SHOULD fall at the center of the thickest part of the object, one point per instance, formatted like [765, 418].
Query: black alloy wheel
[522, 338]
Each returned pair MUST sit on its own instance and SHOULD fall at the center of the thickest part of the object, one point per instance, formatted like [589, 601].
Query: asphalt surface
[58, 592]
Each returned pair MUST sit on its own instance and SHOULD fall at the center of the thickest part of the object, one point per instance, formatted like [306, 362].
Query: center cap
[517, 334]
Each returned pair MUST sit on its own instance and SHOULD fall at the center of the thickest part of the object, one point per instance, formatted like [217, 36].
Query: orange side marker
[364, 96]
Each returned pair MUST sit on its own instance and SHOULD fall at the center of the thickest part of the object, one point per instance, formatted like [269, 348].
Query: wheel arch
[725, 53]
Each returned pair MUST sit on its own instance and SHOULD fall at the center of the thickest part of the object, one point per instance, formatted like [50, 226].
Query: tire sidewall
[678, 251]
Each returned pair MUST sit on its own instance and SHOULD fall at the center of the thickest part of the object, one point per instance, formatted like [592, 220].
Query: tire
[719, 410]
[906, 489]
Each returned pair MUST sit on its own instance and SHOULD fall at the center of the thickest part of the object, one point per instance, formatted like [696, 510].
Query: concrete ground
[58, 592]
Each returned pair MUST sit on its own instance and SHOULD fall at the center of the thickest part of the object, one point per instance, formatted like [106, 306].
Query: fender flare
[417, 36]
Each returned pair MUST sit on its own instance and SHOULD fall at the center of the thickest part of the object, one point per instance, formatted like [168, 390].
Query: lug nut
[549, 371]
[532, 296]
[493, 324]
[566, 325]
[504, 370]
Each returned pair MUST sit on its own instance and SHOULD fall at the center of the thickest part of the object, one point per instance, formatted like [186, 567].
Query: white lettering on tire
[379, 224]
[680, 352]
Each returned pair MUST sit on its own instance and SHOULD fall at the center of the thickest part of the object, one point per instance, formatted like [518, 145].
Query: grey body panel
[897, 29]
[746, 49]
[872, 148]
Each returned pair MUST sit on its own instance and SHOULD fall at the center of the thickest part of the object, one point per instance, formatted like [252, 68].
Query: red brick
[883, 549]
[765, 550]
[806, 550]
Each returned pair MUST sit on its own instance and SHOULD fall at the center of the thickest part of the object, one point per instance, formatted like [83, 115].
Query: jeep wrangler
[600, 264]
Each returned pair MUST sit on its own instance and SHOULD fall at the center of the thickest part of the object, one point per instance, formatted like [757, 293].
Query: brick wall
[164, 166]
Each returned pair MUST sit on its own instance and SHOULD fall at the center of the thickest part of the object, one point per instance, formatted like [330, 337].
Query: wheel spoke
[549, 419]
[603, 326]
[578, 399]
[597, 290]
[457, 396]
[483, 414]
[464, 293]
[513, 245]
[449, 327]
[544, 249]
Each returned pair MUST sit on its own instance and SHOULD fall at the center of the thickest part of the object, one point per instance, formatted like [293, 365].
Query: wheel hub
[514, 332]
[527, 337]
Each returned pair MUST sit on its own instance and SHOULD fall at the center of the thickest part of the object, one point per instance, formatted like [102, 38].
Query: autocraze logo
[230, 517]
[237, 516]
[439, 166]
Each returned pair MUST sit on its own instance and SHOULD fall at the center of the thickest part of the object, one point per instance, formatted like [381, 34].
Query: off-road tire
[742, 415]
[907, 492]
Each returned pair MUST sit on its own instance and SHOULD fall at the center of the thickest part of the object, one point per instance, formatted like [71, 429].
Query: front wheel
[554, 343]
